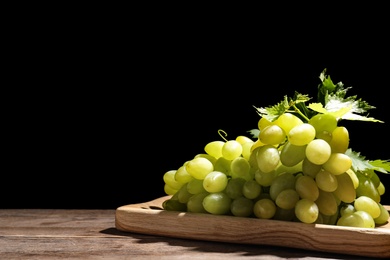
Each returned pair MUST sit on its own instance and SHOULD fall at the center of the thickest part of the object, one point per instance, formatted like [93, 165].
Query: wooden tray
[150, 218]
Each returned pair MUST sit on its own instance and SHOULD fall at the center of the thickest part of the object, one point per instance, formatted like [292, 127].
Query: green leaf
[255, 133]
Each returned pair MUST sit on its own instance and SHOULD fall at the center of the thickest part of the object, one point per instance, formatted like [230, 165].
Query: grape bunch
[296, 166]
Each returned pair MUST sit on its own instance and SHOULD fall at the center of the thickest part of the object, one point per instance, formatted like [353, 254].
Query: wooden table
[91, 234]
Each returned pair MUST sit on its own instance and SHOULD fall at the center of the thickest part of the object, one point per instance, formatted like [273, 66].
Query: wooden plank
[150, 218]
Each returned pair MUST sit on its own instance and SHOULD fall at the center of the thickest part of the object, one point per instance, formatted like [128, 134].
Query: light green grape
[337, 163]
[223, 165]
[183, 195]
[347, 209]
[182, 176]
[284, 214]
[281, 182]
[195, 203]
[350, 220]
[242, 139]
[263, 122]
[324, 125]
[306, 211]
[309, 168]
[199, 167]
[287, 199]
[383, 216]
[340, 140]
[251, 189]
[234, 188]
[265, 179]
[345, 190]
[195, 186]
[301, 134]
[368, 205]
[318, 151]
[291, 155]
[326, 203]
[215, 181]
[217, 203]
[272, 134]
[368, 221]
[326, 181]
[240, 168]
[214, 148]
[246, 150]
[287, 121]
[307, 188]
[169, 190]
[169, 179]
[231, 149]
[212, 159]
[242, 207]
[264, 208]
[367, 188]
[268, 158]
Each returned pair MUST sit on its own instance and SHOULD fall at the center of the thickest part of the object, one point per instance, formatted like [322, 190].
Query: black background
[97, 115]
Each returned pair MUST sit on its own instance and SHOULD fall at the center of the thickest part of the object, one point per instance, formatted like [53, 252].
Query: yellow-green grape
[291, 155]
[263, 122]
[272, 134]
[199, 167]
[169, 179]
[381, 189]
[345, 190]
[326, 181]
[307, 188]
[383, 217]
[183, 195]
[337, 163]
[375, 179]
[215, 181]
[347, 209]
[350, 220]
[297, 168]
[281, 182]
[240, 168]
[265, 179]
[195, 186]
[195, 203]
[251, 189]
[287, 121]
[234, 188]
[367, 188]
[340, 140]
[242, 139]
[318, 151]
[242, 207]
[223, 165]
[368, 205]
[324, 125]
[214, 148]
[306, 211]
[309, 168]
[231, 149]
[326, 203]
[182, 176]
[246, 149]
[212, 159]
[174, 205]
[284, 214]
[264, 208]
[217, 203]
[368, 221]
[267, 158]
[301, 134]
[287, 199]
[353, 177]
[169, 190]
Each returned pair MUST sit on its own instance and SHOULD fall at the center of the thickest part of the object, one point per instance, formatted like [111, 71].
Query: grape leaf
[360, 163]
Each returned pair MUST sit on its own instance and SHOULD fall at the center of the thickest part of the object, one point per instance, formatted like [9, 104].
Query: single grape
[291, 155]
[268, 158]
[272, 134]
[287, 121]
[368, 205]
[318, 151]
[306, 211]
[337, 163]
[195, 186]
[340, 140]
[231, 149]
[326, 181]
[324, 125]
[264, 208]
[345, 190]
[383, 216]
[287, 199]
[251, 189]
[309, 168]
[242, 207]
[307, 188]
[182, 176]
[326, 203]
[301, 134]
[169, 179]
[234, 188]
[195, 203]
[215, 181]
[265, 179]
[214, 148]
[240, 168]
[199, 167]
[217, 203]
[281, 182]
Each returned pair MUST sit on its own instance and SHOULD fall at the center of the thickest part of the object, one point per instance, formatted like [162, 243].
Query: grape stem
[220, 131]
[299, 112]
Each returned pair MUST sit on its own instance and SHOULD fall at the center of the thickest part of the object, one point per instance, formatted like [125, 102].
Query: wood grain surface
[150, 218]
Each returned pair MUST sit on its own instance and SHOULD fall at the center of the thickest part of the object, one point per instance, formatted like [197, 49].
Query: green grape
[231, 149]
[287, 121]
[272, 134]
[263, 122]
[215, 181]
[338, 163]
[383, 216]
[381, 189]
[195, 186]
[367, 188]
[368, 221]
[324, 125]
[169, 190]
[251, 189]
[265, 179]
[264, 208]
[353, 177]
[212, 159]
[345, 190]
[242, 207]
[195, 203]
[368, 205]
[375, 179]
[318, 151]
[347, 209]
[287, 199]
[268, 158]
[217, 203]
[240, 168]
[306, 211]
[284, 214]
[214, 148]
[223, 165]
[242, 139]
[199, 167]
[281, 182]
[330, 219]
[169, 179]
[246, 150]
[297, 168]
[183, 195]
[350, 220]
[307, 188]
[174, 205]
[182, 176]
[326, 181]
[340, 140]
[326, 203]
[291, 155]
[301, 134]
[234, 188]
[309, 168]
